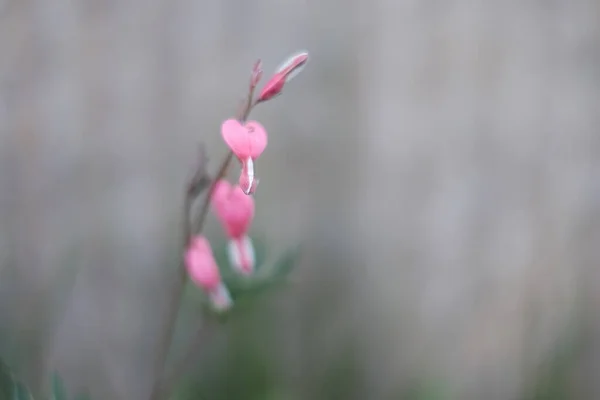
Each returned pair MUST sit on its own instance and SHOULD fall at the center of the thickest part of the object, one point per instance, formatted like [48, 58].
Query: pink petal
[236, 137]
[257, 139]
[201, 265]
[221, 191]
[248, 140]
[233, 208]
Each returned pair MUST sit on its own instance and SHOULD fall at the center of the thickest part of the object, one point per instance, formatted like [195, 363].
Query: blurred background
[439, 160]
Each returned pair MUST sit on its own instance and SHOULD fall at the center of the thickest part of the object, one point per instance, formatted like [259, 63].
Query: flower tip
[287, 70]
[248, 184]
[241, 255]
[220, 298]
[293, 65]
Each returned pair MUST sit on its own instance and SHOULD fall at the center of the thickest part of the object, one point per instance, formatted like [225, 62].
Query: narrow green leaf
[20, 392]
[10, 388]
[58, 388]
[6, 384]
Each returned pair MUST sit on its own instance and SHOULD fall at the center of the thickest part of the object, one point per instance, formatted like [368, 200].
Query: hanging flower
[235, 211]
[204, 272]
[247, 141]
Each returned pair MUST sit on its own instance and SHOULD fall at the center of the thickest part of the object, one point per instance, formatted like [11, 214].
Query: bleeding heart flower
[247, 142]
[204, 272]
[235, 210]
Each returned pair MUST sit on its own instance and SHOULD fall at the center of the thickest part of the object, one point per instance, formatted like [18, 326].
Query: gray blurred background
[439, 159]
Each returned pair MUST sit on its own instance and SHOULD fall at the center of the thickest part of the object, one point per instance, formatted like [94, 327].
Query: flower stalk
[246, 141]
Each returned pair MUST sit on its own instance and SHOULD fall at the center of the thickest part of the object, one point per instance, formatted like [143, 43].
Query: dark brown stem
[198, 183]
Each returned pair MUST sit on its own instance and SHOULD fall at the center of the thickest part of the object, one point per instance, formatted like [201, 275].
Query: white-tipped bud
[293, 65]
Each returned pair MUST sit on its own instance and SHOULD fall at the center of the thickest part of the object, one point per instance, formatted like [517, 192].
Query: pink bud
[234, 209]
[284, 73]
[204, 272]
[201, 264]
[241, 255]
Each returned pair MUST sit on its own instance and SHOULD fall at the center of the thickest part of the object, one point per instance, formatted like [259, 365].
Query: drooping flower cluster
[234, 204]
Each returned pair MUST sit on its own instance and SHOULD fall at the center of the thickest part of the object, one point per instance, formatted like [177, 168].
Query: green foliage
[242, 373]
[10, 387]
[13, 389]
[249, 373]
[426, 390]
[553, 380]
[341, 378]
[23, 337]
[58, 389]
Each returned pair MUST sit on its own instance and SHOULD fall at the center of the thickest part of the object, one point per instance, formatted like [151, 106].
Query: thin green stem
[160, 387]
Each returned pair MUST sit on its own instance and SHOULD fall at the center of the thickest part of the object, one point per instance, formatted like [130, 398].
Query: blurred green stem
[194, 189]
[205, 332]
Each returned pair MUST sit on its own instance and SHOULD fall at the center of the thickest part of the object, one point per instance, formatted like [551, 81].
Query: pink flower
[204, 272]
[286, 71]
[247, 142]
[235, 210]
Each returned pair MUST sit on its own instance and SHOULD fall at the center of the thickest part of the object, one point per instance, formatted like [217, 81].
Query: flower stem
[160, 387]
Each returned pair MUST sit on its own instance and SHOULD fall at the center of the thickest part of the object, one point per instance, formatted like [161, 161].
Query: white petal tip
[241, 255]
[220, 298]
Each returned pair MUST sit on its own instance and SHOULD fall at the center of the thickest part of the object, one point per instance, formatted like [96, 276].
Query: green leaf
[10, 388]
[427, 389]
[58, 388]
[21, 392]
[267, 278]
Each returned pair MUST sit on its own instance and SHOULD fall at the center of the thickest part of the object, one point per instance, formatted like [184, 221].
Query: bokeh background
[439, 160]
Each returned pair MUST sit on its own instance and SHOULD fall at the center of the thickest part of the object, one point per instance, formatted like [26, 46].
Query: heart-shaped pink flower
[234, 209]
[246, 141]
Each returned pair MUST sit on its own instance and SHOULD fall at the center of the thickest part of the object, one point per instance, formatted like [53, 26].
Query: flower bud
[286, 71]
[204, 272]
